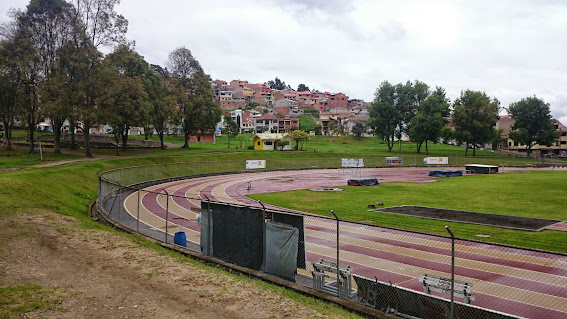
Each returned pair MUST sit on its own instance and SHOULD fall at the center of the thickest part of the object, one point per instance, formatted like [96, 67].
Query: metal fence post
[138, 213]
[338, 260]
[166, 212]
[209, 230]
[452, 272]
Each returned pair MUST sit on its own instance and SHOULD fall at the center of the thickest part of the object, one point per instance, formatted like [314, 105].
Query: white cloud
[509, 49]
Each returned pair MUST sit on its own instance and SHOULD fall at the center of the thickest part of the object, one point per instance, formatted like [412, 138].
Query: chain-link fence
[403, 273]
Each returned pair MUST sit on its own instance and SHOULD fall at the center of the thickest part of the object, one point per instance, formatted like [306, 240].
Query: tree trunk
[87, 135]
[186, 134]
[466, 148]
[390, 144]
[57, 123]
[162, 145]
[31, 130]
[125, 138]
[117, 134]
[228, 141]
[418, 146]
[426, 149]
[474, 150]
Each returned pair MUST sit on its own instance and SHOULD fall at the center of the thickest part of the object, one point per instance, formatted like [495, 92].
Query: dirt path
[104, 275]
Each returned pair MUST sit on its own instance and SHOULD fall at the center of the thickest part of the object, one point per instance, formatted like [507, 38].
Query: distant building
[267, 123]
[557, 148]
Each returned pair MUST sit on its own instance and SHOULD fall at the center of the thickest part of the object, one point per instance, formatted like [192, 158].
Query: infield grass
[529, 194]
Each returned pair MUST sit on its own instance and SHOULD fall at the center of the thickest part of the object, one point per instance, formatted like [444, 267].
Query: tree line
[51, 65]
[427, 115]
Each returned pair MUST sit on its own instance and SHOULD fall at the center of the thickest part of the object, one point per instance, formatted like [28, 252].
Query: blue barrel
[180, 239]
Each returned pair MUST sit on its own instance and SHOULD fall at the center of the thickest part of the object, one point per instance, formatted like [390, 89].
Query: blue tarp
[445, 173]
[363, 182]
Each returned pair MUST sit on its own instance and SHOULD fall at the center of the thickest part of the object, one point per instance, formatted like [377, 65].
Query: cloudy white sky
[508, 48]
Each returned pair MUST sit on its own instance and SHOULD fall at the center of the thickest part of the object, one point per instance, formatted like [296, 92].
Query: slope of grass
[68, 190]
[528, 194]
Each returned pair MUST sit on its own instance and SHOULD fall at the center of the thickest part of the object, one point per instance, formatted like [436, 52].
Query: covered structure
[271, 141]
[481, 169]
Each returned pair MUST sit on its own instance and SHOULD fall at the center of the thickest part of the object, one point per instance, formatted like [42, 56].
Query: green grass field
[528, 194]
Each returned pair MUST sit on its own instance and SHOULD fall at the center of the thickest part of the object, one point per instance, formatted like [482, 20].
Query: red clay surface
[515, 281]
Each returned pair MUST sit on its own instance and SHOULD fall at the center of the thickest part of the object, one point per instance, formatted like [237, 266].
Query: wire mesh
[392, 270]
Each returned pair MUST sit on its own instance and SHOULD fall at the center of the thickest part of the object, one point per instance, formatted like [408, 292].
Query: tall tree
[96, 24]
[163, 101]
[533, 123]
[405, 102]
[428, 124]
[383, 113]
[123, 102]
[48, 22]
[302, 88]
[276, 84]
[21, 57]
[474, 116]
[9, 86]
[194, 94]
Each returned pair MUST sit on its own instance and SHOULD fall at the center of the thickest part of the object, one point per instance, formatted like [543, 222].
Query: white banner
[352, 162]
[253, 164]
[394, 161]
[436, 160]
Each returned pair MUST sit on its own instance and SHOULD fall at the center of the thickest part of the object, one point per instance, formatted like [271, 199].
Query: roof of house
[560, 127]
[269, 136]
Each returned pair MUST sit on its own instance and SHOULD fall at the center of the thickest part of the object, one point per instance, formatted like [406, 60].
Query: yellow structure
[270, 141]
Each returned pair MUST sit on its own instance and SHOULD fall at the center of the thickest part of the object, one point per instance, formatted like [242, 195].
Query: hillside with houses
[257, 108]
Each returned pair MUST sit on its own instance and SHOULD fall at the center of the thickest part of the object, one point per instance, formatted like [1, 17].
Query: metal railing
[387, 264]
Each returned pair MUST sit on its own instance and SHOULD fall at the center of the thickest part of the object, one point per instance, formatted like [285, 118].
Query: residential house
[267, 123]
[238, 83]
[338, 100]
[288, 124]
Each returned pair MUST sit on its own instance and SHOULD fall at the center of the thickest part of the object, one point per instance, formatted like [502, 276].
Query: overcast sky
[509, 49]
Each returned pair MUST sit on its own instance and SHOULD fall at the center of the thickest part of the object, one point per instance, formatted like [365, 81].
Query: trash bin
[180, 239]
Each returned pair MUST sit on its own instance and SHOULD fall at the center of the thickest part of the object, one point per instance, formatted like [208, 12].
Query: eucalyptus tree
[48, 24]
[9, 86]
[96, 24]
[194, 95]
[23, 65]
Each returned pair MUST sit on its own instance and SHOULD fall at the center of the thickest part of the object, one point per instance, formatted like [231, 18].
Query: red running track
[520, 282]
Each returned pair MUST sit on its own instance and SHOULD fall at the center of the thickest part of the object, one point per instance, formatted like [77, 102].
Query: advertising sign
[394, 161]
[436, 160]
[254, 164]
[352, 162]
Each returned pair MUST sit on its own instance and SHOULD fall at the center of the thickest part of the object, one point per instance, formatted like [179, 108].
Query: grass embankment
[372, 150]
[528, 194]
[68, 190]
